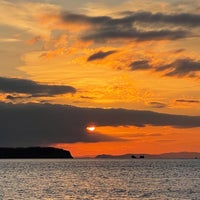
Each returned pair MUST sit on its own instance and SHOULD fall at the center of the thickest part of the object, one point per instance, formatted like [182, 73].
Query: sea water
[100, 179]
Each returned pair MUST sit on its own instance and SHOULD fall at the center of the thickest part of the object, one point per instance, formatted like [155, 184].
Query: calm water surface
[99, 179]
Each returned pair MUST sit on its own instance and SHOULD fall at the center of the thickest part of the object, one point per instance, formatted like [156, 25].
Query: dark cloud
[181, 68]
[140, 65]
[81, 18]
[44, 124]
[155, 104]
[100, 55]
[86, 97]
[111, 33]
[184, 19]
[32, 88]
[187, 101]
[162, 26]
[179, 50]
[16, 97]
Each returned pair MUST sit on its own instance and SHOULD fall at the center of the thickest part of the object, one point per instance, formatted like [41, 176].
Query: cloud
[119, 33]
[86, 97]
[140, 65]
[32, 88]
[139, 26]
[187, 101]
[155, 104]
[24, 15]
[81, 18]
[45, 124]
[184, 19]
[10, 40]
[185, 67]
[181, 68]
[34, 40]
[100, 55]
[16, 97]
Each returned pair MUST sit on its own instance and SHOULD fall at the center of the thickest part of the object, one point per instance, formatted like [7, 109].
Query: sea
[104, 179]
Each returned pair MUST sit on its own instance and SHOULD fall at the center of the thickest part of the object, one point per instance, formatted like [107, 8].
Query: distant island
[33, 152]
[183, 155]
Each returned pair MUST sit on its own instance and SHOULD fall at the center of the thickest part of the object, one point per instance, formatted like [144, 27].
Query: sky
[129, 68]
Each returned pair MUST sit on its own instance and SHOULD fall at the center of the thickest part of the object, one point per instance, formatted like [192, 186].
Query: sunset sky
[130, 68]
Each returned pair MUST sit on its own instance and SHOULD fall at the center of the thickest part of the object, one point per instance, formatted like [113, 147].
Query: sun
[90, 128]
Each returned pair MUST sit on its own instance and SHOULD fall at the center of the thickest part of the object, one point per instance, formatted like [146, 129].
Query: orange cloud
[33, 40]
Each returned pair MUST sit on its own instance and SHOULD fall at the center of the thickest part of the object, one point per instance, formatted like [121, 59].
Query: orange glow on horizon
[149, 139]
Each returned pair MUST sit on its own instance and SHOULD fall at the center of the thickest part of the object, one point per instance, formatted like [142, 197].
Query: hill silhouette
[34, 152]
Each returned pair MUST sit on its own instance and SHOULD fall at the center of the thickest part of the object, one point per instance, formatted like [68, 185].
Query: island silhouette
[33, 152]
[170, 155]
